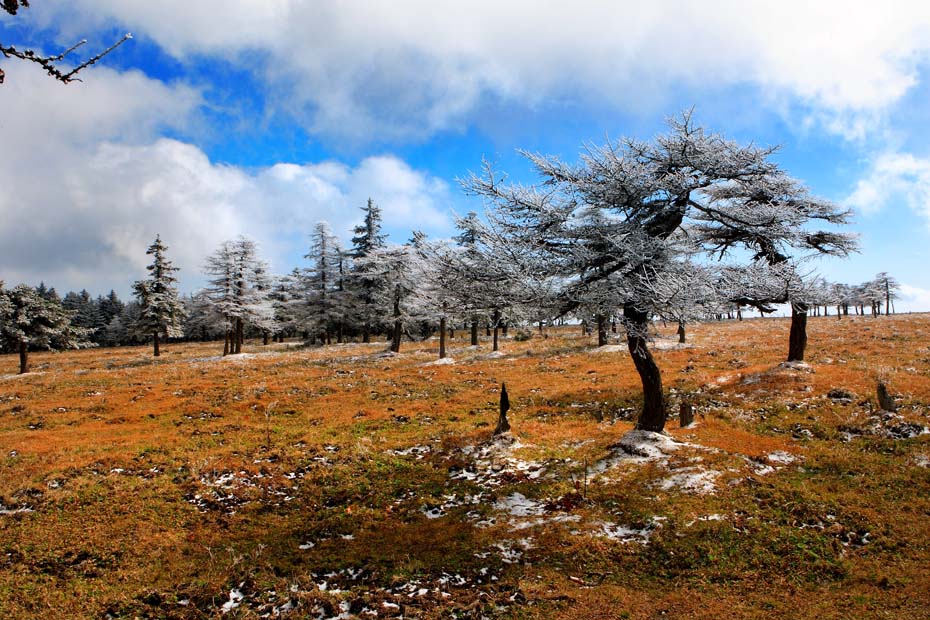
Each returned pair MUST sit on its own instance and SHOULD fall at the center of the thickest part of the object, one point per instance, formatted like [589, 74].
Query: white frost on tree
[161, 313]
[29, 322]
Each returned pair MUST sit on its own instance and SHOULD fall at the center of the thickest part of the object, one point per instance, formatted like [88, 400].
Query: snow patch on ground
[443, 361]
[235, 599]
[611, 348]
[649, 445]
[622, 533]
[518, 505]
[922, 460]
[691, 480]
[780, 457]
[20, 376]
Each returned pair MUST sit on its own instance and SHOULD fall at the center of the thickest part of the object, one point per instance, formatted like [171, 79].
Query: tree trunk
[504, 327]
[497, 320]
[226, 343]
[442, 337]
[237, 344]
[474, 333]
[487, 330]
[502, 424]
[23, 357]
[685, 414]
[398, 324]
[601, 330]
[681, 332]
[797, 338]
[653, 414]
[157, 352]
[366, 334]
[265, 338]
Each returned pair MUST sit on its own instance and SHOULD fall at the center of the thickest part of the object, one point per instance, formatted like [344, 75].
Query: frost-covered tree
[397, 266]
[29, 321]
[889, 288]
[364, 289]
[770, 215]
[323, 297]
[645, 194]
[161, 313]
[50, 63]
[239, 288]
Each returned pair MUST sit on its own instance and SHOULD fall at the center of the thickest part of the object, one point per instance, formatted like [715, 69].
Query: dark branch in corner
[48, 62]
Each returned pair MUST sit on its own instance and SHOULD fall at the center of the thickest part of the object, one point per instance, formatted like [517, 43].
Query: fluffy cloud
[892, 177]
[387, 69]
[912, 299]
[80, 205]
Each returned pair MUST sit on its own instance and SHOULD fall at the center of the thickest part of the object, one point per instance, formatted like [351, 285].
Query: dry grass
[141, 488]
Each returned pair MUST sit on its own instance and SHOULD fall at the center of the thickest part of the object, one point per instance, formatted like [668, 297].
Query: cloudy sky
[263, 117]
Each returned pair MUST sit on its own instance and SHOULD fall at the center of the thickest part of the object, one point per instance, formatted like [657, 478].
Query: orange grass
[121, 460]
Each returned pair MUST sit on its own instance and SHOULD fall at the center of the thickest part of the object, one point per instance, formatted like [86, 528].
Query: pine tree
[28, 321]
[239, 290]
[363, 289]
[161, 313]
[322, 287]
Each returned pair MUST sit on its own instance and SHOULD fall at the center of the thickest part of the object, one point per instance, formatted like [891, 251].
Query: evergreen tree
[239, 290]
[322, 286]
[30, 322]
[364, 289]
[160, 311]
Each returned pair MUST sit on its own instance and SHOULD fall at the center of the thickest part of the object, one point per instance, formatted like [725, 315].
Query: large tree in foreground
[645, 196]
[29, 321]
[161, 313]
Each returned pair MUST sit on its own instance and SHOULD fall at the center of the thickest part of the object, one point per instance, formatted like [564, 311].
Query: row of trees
[685, 226]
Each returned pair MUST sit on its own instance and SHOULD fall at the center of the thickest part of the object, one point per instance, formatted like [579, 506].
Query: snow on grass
[780, 457]
[649, 445]
[443, 361]
[13, 511]
[235, 599]
[611, 348]
[691, 480]
[518, 505]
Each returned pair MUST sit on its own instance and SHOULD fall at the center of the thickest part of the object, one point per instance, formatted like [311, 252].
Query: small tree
[240, 290]
[161, 313]
[29, 321]
[363, 288]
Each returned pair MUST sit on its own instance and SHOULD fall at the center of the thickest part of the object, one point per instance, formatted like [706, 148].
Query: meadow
[342, 482]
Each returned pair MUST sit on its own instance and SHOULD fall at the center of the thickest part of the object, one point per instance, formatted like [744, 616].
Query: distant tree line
[685, 227]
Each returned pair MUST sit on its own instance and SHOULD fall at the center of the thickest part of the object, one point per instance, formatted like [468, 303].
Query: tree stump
[885, 400]
[685, 414]
[502, 424]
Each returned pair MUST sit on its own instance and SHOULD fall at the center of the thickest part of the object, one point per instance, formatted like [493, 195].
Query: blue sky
[261, 117]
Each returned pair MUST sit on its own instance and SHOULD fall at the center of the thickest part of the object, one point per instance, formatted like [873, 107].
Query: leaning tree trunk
[155, 339]
[23, 357]
[442, 337]
[797, 338]
[601, 330]
[653, 414]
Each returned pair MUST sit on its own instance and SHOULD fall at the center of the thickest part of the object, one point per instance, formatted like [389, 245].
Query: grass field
[343, 482]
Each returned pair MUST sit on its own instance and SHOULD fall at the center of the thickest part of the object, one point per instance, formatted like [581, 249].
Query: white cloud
[892, 177]
[372, 69]
[79, 205]
[912, 299]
